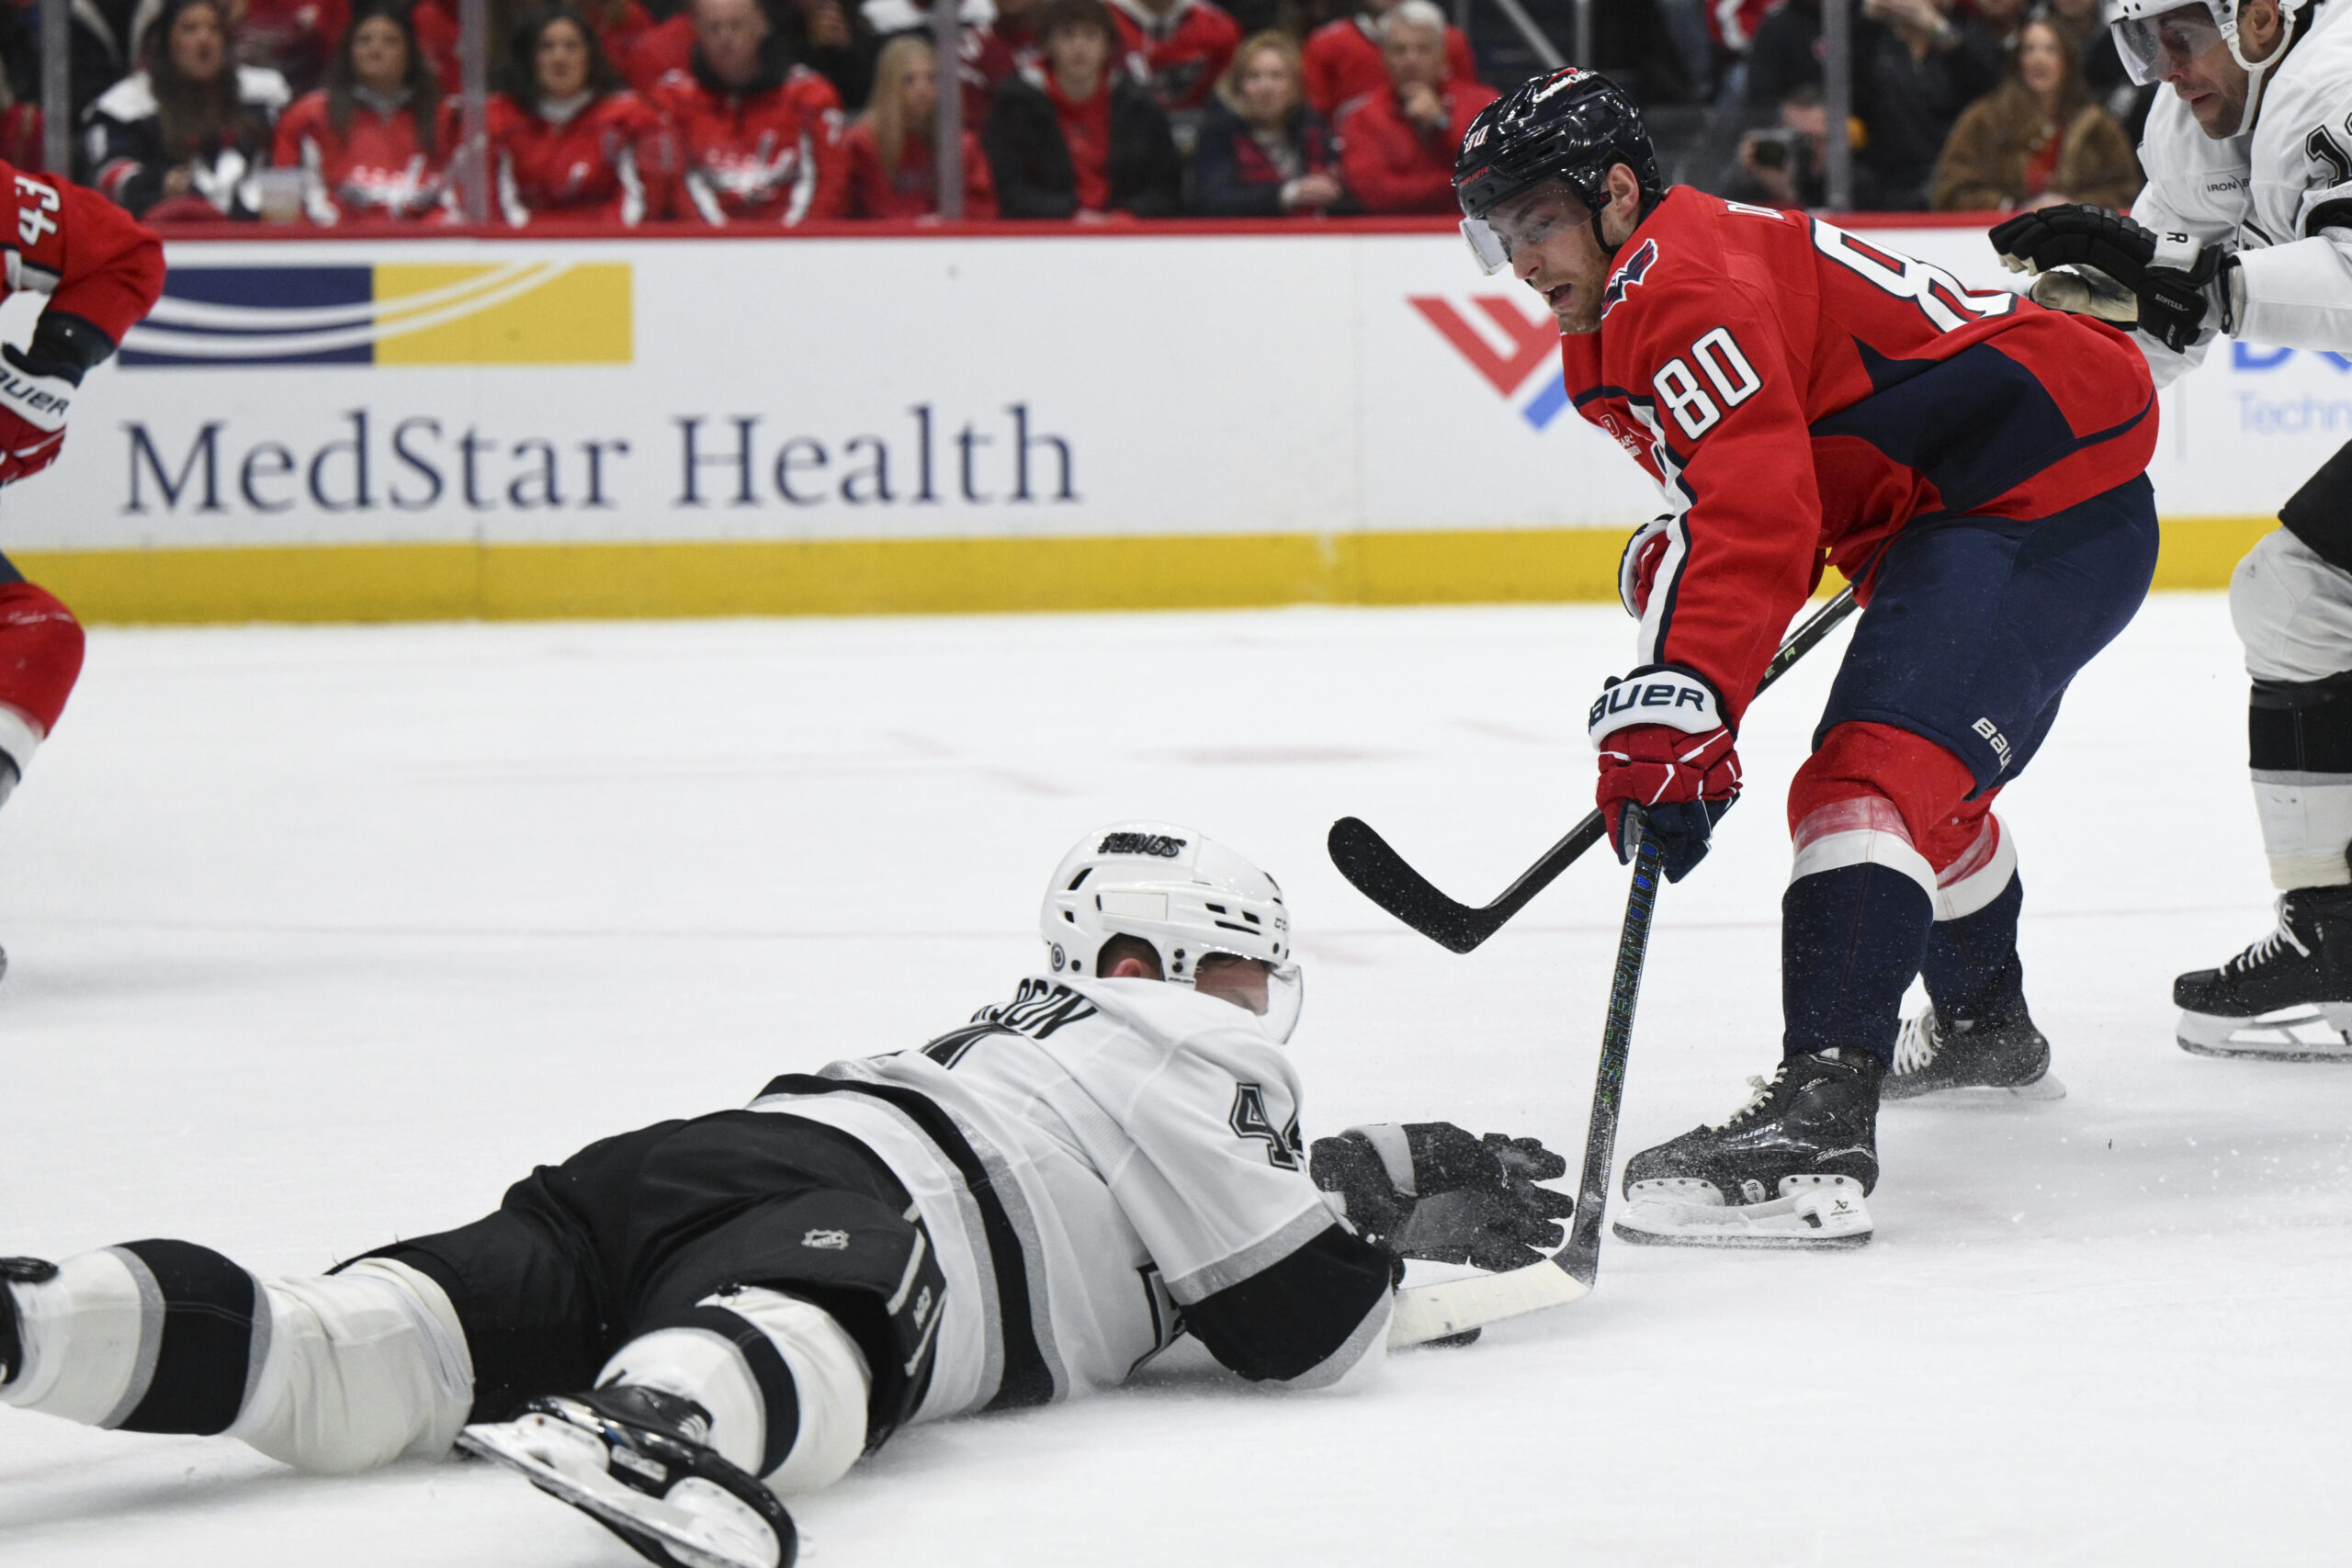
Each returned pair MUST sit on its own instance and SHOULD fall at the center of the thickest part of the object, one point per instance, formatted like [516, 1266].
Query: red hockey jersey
[1183, 50]
[1391, 164]
[1802, 394]
[379, 168]
[771, 155]
[585, 164]
[1341, 61]
[913, 191]
[92, 259]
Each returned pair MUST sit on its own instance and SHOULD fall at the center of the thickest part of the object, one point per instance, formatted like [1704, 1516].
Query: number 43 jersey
[1103, 1164]
[1803, 394]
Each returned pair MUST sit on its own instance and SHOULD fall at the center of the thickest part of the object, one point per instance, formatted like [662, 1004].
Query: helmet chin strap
[1609, 252]
[2258, 72]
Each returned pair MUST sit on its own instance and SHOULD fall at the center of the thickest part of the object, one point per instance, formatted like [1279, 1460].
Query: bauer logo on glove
[1663, 746]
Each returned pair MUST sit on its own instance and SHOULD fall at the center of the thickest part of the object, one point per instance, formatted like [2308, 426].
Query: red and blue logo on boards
[1507, 347]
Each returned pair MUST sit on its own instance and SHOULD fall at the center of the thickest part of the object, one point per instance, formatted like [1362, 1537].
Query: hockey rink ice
[321, 936]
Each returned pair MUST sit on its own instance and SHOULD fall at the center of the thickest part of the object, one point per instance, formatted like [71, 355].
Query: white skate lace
[2268, 948]
[1759, 1091]
[1917, 1044]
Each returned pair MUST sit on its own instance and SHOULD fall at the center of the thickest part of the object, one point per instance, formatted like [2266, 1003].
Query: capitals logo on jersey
[1635, 268]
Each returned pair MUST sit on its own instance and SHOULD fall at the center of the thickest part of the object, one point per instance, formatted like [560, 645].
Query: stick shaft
[1581, 1257]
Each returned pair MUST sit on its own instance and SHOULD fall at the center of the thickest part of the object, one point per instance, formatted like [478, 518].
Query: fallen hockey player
[677, 1327]
[1975, 464]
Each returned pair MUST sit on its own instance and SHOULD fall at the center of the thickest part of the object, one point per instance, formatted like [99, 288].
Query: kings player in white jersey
[678, 1327]
[2245, 230]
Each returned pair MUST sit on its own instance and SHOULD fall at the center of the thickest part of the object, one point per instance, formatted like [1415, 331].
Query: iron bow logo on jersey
[1531, 347]
[505, 312]
[1634, 268]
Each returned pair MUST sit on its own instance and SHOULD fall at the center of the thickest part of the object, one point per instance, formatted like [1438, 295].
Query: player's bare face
[1229, 977]
[2185, 50]
[1547, 234]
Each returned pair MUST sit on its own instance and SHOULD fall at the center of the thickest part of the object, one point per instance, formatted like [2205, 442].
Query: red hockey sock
[41, 658]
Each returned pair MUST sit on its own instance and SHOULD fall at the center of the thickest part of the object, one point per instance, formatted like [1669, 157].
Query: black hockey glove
[1429, 1189]
[2166, 285]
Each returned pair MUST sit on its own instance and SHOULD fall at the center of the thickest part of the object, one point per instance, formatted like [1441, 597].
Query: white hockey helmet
[1185, 894]
[2147, 34]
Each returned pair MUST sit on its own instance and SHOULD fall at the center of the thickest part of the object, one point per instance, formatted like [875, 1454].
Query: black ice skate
[634, 1459]
[2288, 996]
[1964, 1060]
[1788, 1169]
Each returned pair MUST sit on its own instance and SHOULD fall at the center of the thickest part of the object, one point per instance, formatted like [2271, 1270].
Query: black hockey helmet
[1573, 126]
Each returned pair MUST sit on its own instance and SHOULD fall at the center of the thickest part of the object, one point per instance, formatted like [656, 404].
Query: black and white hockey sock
[2299, 749]
[784, 1384]
[149, 1337]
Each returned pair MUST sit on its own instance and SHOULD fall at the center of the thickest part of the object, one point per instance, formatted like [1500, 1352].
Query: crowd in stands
[774, 112]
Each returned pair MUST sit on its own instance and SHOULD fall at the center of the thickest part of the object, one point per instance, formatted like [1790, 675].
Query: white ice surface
[321, 936]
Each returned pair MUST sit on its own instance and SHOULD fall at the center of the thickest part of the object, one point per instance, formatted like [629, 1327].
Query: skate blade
[2314, 1032]
[1817, 1215]
[530, 1447]
[2045, 1087]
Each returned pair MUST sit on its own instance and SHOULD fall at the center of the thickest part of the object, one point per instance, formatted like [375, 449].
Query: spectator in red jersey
[1261, 152]
[565, 140]
[1183, 45]
[757, 138]
[1398, 145]
[1343, 60]
[891, 162]
[621, 25]
[1089, 140]
[294, 37]
[374, 142]
[183, 137]
[1007, 47]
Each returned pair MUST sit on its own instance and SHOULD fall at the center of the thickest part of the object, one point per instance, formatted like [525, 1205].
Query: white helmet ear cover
[1186, 894]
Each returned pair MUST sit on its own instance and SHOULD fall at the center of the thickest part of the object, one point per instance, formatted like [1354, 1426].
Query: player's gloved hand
[2175, 283]
[1637, 568]
[1429, 1189]
[35, 396]
[1664, 747]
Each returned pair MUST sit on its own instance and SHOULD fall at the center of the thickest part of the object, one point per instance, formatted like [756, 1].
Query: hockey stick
[1381, 875]
[1424, 1312]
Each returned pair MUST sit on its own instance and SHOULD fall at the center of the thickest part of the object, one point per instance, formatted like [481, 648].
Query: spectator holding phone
[1398, 145]
[892, 170]
[1261, 152]
[2036, 140]
[565, 140]
[1089, 140]
[375, 140]
[1345, 59]
[757, 138]
[183, 137]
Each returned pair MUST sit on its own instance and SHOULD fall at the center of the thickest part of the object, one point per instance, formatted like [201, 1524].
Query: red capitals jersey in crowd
[987, 56]
[1183, 50]
[771, 154]
[663, 47]
[1343, 61]
[1801, 393]
[913, 190]
[584, 166]
[295, 37]
[1393, 164]
[1734, 21]
[379, 168]
[92, 259]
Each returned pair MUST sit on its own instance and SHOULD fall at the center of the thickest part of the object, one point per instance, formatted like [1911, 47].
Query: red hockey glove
[1664, 746]
[1637, 568]
[34, 397]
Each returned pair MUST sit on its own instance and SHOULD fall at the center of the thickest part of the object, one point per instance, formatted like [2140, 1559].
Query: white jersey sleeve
[2295, 262]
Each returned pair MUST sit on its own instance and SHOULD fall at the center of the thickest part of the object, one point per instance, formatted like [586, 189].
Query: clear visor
[1273, 991]
[1522, 220]
[2153, 47]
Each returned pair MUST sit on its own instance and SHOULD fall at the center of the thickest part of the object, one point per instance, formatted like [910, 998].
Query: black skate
[634, 1459]
[1788, 1169]
[1972, 1060]
[2288, 998]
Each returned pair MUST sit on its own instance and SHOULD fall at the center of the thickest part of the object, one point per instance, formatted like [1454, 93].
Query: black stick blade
[1381, 875]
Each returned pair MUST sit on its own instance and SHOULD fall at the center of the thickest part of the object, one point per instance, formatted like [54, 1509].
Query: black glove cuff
[64, 344]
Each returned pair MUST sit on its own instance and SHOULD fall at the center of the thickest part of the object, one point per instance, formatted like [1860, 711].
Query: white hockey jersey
[1093, 1159]
[2280, 194]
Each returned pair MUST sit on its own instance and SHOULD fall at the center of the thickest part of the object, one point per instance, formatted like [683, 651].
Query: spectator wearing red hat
[1398, 145]
[891, 152]
[374, 142]
[1343, 60]
[565, 140]
[1184, 46]
[756, 138]
[1086, 142]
